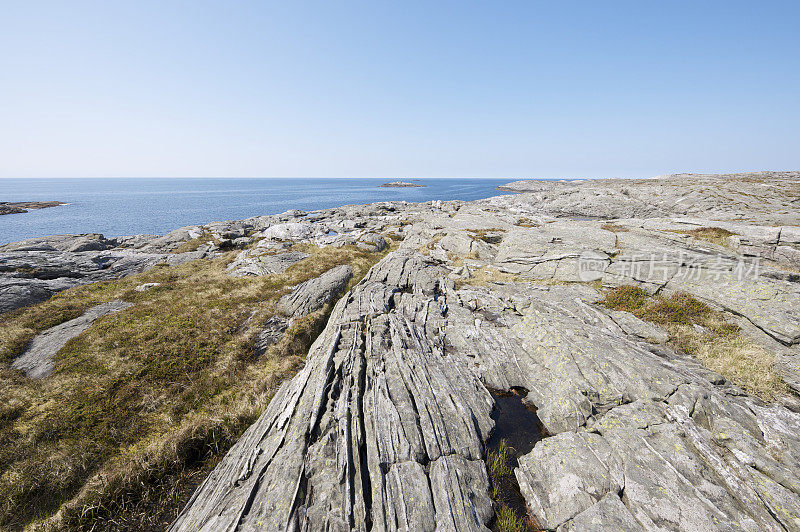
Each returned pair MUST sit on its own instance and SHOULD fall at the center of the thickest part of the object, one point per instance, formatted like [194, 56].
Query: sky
[507, 89]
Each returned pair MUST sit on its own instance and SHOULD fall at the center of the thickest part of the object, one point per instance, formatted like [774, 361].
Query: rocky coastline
[9, 207]
[401, 184]
[652, 326]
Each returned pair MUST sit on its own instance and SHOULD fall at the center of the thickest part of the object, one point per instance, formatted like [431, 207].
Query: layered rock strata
[386, 426]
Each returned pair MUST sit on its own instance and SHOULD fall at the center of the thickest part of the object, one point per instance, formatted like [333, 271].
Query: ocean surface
[129, 206]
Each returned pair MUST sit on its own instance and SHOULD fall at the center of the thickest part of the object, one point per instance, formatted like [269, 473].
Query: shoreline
[617, 314]
[118, 208]
[21, 207]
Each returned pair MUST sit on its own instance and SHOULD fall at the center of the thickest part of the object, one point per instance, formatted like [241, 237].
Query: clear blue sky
[398, 89]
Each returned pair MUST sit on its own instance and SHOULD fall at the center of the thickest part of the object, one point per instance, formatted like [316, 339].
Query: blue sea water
[128, 206]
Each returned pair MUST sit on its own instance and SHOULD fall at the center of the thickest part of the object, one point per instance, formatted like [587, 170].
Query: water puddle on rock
[517, 429]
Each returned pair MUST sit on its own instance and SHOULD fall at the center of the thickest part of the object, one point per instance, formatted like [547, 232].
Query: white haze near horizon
[357, 89]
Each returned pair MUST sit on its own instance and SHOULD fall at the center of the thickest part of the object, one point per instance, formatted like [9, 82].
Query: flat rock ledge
[37, 359]
[255, 262]
[386, 426]
[32, 271]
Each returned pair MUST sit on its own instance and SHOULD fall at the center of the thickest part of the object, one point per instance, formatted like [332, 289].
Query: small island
[7, 207]
[401, 184]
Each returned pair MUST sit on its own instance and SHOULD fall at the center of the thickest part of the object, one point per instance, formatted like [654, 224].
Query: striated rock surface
[386, 427]
[761, 197]
[315, 293]
[29, 276]
[257, 262]
[360, 437]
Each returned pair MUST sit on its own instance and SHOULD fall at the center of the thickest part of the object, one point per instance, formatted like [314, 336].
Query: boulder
[271, 333]
[296, 231]
[371, 242]
[315, 293]
[146, 286]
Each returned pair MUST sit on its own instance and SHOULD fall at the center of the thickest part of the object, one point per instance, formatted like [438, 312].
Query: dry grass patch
[490, 236]
[715, 235]
[700, 331]
[485, 276]
[195, 243]
[614, 228]
[431, 245]
[145, 401]
[526, 222]
[393, 239]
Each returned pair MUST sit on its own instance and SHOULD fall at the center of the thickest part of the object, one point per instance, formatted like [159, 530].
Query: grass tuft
[526, 222]
[715, 235]
[698, 330]
[490, 236]
[498, 462]
[504, 488]
[509, 521]
[195, 243]
[614, 228]
[626, 297]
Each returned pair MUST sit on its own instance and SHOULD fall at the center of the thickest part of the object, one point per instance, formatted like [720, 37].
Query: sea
[129, 206]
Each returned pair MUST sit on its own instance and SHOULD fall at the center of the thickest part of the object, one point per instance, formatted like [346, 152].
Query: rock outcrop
[386, 427]
[401, 184]
[32, 273]
[37, 358]
[70, 243]
[763, 197]
[11, 207]
[393, 406]
[258, 262]
[315, 293]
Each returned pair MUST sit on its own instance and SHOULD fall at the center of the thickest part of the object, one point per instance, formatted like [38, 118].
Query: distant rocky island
[401, 184]
[595, 355]
[7, 207]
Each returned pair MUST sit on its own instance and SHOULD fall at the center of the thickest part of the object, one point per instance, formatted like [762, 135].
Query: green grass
[698, 330]
[508, 521]
[498, 462]
[147, 399]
